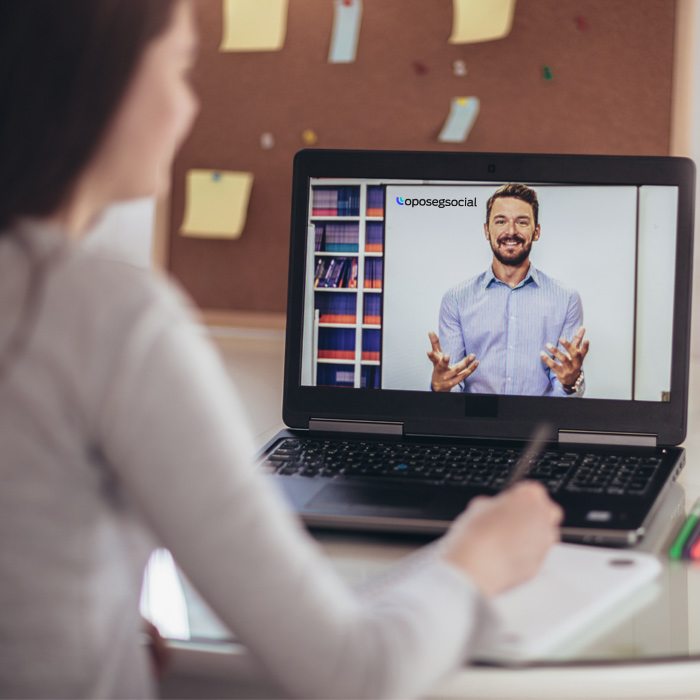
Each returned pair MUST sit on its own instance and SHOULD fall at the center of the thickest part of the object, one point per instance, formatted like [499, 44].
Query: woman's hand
[501, 541]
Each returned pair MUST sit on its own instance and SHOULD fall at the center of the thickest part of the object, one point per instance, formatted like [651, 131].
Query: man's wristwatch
[573, 388]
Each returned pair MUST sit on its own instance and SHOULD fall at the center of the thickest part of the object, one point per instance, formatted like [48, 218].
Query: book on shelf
[335, 375]
[373, 273]
[374, 237]
[352, 279]
[326, 273]
[338, 273]
[324, 201]
[335, 201]
[320, 238]
[372, 315]
[371, 345]
[369, 378]
[336, 344]
[336, 308]
[348, 201]
[375, 200]
[340, 237]
[335, 273]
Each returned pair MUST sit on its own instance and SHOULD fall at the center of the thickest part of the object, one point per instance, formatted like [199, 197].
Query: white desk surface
[654, 653]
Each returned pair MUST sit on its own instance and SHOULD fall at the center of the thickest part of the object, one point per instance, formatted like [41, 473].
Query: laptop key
[287, 471]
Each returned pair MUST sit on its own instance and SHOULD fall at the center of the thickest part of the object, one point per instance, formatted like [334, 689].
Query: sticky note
[254, 25]
[481, 20]
[347, 16]
[463, 114]
[216, 203]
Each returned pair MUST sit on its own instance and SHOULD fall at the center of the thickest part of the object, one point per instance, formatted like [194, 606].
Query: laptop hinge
[349, 426]
[621, 439]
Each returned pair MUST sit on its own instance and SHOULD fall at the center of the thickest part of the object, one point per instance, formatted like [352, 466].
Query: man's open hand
[570, 361]
[446, 376]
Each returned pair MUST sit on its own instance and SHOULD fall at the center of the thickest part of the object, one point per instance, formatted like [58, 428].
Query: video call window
[398, 247]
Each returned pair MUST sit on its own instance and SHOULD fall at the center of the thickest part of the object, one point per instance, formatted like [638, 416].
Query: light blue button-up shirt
[507, 328]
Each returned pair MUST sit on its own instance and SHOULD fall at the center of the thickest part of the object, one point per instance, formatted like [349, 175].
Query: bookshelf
[346, 220]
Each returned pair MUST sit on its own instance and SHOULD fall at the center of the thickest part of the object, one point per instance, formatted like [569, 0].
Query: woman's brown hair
[64, 68]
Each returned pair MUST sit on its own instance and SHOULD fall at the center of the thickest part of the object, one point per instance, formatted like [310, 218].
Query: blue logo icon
[399, 200]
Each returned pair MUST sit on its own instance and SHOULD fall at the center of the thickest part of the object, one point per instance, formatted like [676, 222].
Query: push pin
[581, 23]
[267, 141]
[308, 136]
[547, 73]
[459, 68]
[419, 67]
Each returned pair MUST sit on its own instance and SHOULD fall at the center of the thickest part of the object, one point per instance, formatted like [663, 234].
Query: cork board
[610, 93]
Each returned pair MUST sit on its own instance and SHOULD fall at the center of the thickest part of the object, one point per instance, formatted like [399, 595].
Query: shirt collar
[532, 276]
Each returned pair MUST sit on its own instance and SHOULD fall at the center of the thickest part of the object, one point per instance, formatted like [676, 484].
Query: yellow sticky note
[254, 25]
[481, 20]
[216, 203]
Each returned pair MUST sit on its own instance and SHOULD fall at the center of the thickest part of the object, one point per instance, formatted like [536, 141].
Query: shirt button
[512, 318]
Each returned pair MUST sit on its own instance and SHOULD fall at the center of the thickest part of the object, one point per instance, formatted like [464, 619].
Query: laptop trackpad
[370, 499]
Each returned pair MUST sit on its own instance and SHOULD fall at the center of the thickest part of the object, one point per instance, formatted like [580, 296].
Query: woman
[119, 431]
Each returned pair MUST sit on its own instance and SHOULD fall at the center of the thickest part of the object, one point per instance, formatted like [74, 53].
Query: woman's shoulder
[103, 284]
[82, 296]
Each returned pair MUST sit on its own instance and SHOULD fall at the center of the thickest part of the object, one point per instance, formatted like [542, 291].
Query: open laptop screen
[389, 259]
[608, 252]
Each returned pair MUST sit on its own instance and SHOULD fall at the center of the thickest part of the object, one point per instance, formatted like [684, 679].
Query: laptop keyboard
[460, 465]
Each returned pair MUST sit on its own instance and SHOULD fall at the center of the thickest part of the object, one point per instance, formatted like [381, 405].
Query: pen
[530, 454]
[688, 526]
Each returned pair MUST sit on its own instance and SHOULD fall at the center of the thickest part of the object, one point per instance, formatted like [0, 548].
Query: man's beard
[512, 261]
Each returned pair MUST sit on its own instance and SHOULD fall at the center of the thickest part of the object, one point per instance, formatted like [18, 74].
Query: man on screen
[495, 327]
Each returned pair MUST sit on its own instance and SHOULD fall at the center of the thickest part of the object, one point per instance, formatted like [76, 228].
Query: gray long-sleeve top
[119, 431]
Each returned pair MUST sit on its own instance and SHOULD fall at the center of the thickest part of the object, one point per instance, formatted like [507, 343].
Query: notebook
[579, 593]
[387, 247]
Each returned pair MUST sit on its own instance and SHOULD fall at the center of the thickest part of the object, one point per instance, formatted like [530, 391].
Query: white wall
[656, 270]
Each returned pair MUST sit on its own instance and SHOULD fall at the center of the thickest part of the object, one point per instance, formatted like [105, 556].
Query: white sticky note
[463, 114]
[254, 25]
[216, 203]
[347, 17]
[481, 20]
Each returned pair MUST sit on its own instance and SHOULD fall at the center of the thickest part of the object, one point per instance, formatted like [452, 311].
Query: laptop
[387, 247]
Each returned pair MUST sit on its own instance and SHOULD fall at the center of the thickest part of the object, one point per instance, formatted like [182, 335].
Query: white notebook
[578, 589]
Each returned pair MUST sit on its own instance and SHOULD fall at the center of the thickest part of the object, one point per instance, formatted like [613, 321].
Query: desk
[652, 653]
